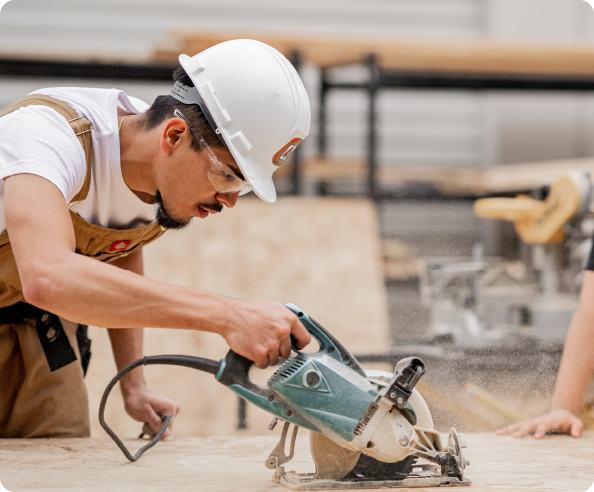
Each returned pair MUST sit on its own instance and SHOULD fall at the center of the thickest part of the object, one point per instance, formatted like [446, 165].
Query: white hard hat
[257, 102]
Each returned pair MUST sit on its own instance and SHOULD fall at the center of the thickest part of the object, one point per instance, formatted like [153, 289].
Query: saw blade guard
[314, 385]
[426, 442]
[390, 437]
[416, 401]
[334, 462]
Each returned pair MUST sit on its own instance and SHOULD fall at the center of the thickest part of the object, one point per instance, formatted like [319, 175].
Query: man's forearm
[87, 291]
[127, 347]
[82, 289]
[577, 364]
[141, 403]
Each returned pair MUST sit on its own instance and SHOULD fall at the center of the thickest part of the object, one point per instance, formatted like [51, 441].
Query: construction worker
[89, 176]
[575, 372]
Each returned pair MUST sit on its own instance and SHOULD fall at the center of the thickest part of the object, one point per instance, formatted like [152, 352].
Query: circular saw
[368, 429]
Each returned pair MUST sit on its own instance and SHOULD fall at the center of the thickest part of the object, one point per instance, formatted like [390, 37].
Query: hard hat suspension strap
[190, 95]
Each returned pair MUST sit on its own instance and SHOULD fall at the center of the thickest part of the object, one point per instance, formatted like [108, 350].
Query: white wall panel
[133, 28]
[540, 126]
[540, 20]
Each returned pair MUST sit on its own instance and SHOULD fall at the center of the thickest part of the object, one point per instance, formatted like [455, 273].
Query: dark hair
[163, 107]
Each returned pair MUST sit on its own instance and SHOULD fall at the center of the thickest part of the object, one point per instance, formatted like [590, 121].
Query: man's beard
[168, 221]
[164, 219]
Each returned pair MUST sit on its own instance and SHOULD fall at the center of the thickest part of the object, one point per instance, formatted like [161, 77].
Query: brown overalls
[42, 393]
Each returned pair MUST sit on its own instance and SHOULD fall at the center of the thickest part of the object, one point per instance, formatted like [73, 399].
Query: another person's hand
[261, 331]
[148, 406]
[559, 421]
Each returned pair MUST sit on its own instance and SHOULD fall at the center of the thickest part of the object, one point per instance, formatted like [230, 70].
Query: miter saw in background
[483, 300]
[368, 429]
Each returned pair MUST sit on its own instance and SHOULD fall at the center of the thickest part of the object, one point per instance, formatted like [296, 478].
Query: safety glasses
[220, 175]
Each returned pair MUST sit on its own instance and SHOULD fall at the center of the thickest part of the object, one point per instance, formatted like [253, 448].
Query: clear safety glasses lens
[220, 175]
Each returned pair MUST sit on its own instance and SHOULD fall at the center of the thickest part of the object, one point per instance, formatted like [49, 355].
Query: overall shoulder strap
[81, 127]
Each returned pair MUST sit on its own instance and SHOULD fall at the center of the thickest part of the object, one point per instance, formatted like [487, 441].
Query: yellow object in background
[540, 221]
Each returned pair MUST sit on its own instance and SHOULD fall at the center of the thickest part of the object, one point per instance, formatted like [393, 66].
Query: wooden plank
[494, 403]
[466, 415]
[527, 176]
[229, 464]
[474, 181]
[328, 169]
[321, 168]
[421, 55]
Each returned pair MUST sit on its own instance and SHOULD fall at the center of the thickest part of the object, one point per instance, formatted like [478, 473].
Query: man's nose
[229, 199]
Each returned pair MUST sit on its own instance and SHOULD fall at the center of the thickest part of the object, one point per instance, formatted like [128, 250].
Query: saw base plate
[306, 481]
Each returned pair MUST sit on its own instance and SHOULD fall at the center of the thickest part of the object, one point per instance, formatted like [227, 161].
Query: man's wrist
[132, 382]
[562, 408]
[223, 314]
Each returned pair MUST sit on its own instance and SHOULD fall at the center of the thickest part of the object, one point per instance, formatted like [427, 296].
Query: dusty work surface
[237, 464]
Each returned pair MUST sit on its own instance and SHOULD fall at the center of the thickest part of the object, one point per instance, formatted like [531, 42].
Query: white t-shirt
[37, 140]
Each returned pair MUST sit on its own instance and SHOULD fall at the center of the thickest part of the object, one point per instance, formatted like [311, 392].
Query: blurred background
[420, 107]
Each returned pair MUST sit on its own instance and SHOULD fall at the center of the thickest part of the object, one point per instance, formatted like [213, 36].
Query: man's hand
[559, 421]
[147, 406]
[261, 331]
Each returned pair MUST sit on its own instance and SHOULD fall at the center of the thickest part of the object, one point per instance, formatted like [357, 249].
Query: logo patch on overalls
[119, 246]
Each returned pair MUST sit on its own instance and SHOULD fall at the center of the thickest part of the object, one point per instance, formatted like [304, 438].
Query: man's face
[184, 189]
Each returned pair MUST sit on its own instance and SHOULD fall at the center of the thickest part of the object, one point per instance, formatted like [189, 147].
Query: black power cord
[206, 365]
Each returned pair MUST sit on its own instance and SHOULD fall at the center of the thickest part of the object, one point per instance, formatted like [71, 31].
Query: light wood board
[474, 181]
[324, 255]
[236, 464]
[476, 56]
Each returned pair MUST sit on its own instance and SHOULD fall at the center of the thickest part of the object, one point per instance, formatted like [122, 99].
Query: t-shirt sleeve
[139, 105]
[37, 140]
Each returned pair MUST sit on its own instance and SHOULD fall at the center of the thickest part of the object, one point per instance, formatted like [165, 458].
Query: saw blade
[332, 461]
[454, 443]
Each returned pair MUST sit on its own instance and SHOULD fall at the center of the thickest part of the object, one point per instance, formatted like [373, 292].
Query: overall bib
[42, 393]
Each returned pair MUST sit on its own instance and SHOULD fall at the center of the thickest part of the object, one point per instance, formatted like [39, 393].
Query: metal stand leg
[241, 414]
[296, 157]
[372, 88]
[322, 111]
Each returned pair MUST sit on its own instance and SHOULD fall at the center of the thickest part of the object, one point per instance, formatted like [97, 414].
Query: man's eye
[229, 177]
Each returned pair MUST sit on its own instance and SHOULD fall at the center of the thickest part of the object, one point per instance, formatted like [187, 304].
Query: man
[575, 372]
[83, 172]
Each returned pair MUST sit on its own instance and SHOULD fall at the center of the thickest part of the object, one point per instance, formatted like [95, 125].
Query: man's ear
[172, 134]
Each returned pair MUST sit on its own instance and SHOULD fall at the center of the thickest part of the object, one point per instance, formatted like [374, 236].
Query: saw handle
[235, 368]
[328, 343]
[234, 373]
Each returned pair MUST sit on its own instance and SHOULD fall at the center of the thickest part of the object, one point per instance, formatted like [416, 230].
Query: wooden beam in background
[476, 56]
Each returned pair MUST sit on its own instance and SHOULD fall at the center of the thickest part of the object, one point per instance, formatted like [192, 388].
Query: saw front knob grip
[406, 375]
